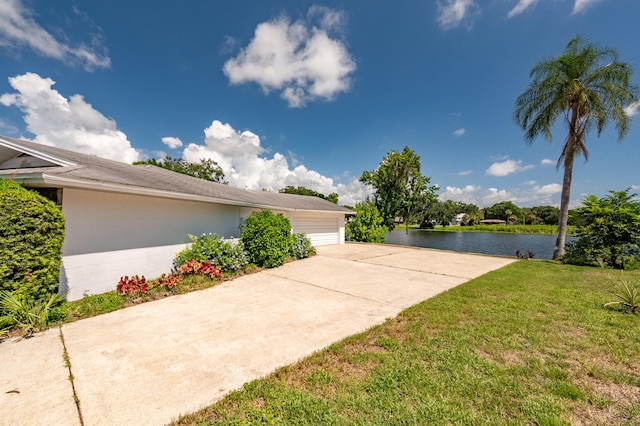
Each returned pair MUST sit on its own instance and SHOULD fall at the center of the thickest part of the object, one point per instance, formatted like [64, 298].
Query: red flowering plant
[193, 266]
[132, 285]
[168, 281]
[139, 285]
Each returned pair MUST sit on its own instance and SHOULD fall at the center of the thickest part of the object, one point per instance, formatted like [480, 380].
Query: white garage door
[321, 230]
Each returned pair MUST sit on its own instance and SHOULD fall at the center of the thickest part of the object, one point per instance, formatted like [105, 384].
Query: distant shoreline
[496, 229]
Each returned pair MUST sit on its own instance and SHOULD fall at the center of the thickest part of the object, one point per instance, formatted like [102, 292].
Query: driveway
[150, 363]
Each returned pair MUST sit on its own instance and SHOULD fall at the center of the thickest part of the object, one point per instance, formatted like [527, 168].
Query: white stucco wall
[111, 235]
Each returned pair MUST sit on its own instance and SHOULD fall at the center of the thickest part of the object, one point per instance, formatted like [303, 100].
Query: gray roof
[82, 170]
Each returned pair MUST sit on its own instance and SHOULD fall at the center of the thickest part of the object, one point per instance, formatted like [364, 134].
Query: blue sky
[312, 93]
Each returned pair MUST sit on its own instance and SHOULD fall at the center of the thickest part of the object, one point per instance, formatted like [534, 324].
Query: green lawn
[528, 344]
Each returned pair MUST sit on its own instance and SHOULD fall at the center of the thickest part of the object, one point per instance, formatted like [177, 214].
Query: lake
[477, 242]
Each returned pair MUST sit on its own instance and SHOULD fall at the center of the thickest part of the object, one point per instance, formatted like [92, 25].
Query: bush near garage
[266, 238]
[226, 255]
[301, 247]
[31, 236]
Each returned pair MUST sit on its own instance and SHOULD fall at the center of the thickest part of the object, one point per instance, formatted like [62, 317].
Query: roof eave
[44, 179]
[38, 154]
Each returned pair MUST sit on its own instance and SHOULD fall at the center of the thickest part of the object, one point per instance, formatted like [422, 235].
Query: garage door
[320, 230]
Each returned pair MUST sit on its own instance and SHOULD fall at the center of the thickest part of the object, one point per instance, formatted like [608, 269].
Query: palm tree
[588, 86]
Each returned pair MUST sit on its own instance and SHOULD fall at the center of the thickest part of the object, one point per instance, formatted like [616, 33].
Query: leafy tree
[301, 190]
[206, 169]
[504, 210]
[470, 209]
[400, 189]
[509, 216]
[528, 216]
[473, 218]
[588, 86]
[333, 197]
[368, 225]
[440, 213]
[611, 232]
[546, 214]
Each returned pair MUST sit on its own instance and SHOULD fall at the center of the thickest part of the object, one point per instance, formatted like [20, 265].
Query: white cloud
[452, 13]
[633, 109]
[536, 195]
[464, 172]
[172, 142]
[228, 45]
[299, 59]
[539, 195]
[529, 195]
[582, 5]
[329, 19]
[550, 189]
[494, 195]
[521, 7]
[465, 195]
[18, 28]
[459, 132]
[547, 162]
[507, 167]
[66, 123]
[240, 154]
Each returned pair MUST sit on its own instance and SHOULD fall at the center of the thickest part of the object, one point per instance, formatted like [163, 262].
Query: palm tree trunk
[564, 205]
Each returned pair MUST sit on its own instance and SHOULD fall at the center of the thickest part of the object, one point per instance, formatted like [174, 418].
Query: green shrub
[266, 238]
[31, 236]
[301, 246]
[367, 226]
[609, 232]
[226, 256]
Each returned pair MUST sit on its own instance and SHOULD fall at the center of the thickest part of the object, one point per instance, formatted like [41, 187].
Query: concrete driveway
[150, 363]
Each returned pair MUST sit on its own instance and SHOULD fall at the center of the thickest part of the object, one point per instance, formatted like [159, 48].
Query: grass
[508, 229]
[531, 343]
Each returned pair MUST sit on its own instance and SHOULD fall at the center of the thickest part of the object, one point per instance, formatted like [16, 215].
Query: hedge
[31, 236]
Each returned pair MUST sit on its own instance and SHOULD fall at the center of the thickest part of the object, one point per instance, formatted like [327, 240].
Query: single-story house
[493, 222]
[457, 221]
[123, 219]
